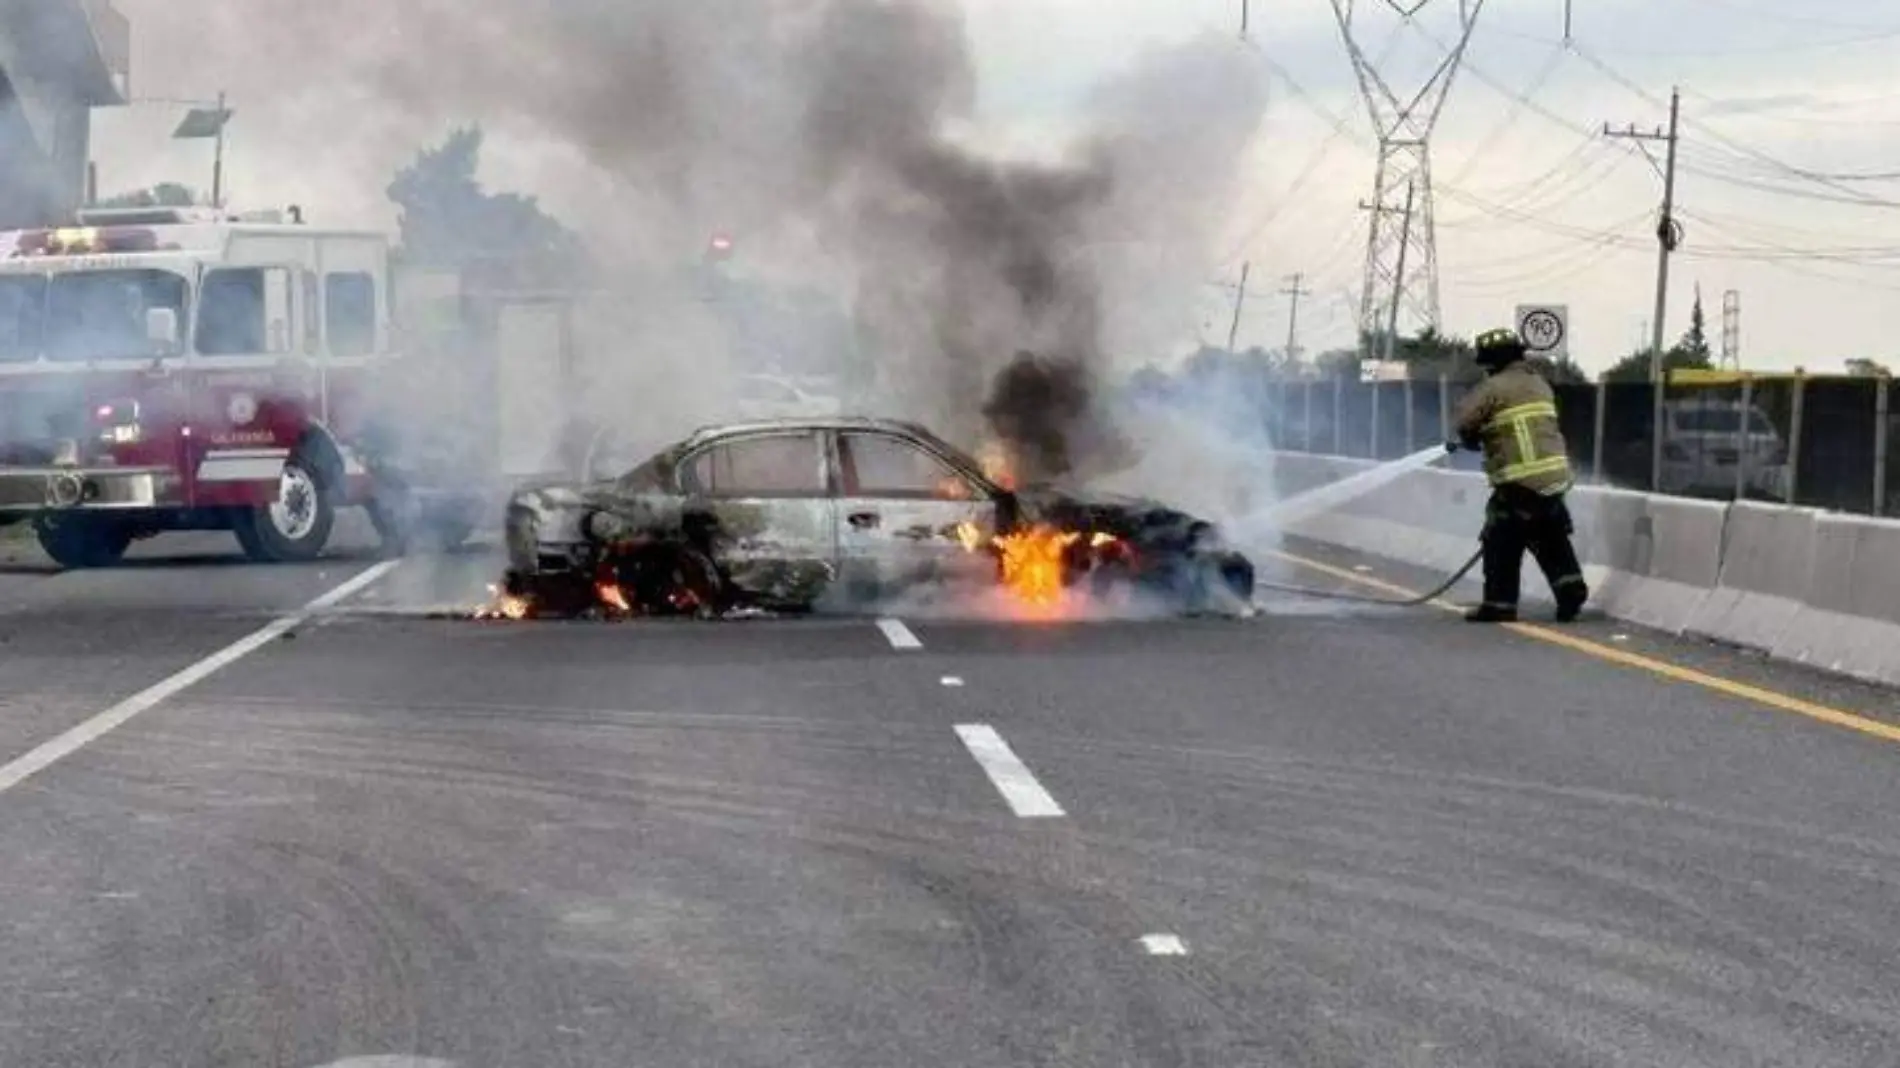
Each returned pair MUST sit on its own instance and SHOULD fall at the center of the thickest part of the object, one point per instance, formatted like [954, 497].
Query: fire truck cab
[187, 369]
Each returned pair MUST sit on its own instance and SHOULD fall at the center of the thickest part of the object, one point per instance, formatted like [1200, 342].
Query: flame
[1102, 541]
[970, 536]
[613, 597]
[504, 606]
[1033, 566]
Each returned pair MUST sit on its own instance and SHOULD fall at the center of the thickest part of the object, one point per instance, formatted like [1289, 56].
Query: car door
[905, 513]
[766, 497]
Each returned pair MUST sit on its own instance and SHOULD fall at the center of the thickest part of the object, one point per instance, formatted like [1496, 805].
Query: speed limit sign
[1545, 329]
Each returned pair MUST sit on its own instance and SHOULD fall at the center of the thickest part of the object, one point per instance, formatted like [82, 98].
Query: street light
[200, 123]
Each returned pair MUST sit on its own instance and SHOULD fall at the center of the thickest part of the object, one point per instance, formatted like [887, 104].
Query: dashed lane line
[44, 755]
[1164, 945]
[898, 634]
[1012, 777]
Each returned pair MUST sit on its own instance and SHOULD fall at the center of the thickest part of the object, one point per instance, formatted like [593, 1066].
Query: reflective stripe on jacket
[1513, 415]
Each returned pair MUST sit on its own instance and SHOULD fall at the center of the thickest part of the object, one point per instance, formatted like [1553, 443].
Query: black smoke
[832, 137]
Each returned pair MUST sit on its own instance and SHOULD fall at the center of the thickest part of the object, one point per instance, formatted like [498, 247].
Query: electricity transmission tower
[1402, 245]
[1732, 330]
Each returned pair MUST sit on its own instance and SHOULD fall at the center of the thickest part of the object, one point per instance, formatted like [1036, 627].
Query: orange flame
[613, 597]
[504, 606]
[1033, 563]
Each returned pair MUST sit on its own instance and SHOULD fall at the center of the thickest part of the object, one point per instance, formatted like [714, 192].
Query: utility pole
[1668, 236]
[1405, 239]
[217, 161]
[1240, 301]
[1293, 293]
[1391, 323]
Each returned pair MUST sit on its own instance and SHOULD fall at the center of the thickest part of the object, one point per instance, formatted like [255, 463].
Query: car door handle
[862, 520]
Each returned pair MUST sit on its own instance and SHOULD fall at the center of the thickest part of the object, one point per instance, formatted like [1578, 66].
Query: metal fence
[1820, 441]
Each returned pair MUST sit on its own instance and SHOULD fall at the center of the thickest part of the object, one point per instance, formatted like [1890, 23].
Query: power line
[1798, 20]
[1737, 146]
[1404, 128]
[1777, 49]
[1520, 98]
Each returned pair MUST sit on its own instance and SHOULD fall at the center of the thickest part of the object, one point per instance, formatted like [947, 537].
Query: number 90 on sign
[1543, 329]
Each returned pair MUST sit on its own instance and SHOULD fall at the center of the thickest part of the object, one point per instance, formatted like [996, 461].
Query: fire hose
[1359, 598]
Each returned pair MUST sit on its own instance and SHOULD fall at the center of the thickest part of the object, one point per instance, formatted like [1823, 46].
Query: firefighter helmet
[1498, 348]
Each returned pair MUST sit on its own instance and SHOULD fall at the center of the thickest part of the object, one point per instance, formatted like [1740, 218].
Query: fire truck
[188, 369]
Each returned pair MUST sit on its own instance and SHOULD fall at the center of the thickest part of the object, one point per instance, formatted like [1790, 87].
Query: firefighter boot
[1491, 613]
[1571, 596]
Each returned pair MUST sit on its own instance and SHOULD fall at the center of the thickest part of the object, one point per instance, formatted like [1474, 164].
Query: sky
[1788, 182]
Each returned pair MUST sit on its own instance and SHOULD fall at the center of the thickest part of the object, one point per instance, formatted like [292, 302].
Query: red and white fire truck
[185, 369]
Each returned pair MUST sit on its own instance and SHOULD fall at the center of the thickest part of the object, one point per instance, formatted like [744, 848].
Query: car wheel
[296, 526]
[76, 542]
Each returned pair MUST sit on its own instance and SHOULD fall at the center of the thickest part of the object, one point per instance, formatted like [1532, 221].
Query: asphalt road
[1330, 835]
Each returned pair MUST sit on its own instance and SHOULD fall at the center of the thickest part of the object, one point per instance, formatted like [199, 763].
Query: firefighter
[1512, 416]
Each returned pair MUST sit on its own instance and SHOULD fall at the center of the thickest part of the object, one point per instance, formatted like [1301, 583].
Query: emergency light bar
[85, 241]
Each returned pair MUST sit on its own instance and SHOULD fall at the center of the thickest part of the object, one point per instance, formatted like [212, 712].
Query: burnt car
[788, 513]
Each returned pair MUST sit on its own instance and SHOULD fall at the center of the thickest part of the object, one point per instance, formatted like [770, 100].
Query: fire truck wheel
[296, 526]
[82, 541]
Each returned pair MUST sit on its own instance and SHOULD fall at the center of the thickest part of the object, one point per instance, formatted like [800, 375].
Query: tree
[162, 195]
[448, 220]
[1635, 366]
[1560, 372]
[1861, 367]
[1695, 343]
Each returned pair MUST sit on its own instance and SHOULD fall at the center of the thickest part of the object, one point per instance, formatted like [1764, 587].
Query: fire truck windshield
[84, 315]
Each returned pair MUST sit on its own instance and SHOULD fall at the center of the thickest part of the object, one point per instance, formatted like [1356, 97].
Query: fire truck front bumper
[26, 491]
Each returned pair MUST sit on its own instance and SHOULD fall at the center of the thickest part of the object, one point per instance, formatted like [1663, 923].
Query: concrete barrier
[1848, 620]
[1766, 563]
[1802, 585]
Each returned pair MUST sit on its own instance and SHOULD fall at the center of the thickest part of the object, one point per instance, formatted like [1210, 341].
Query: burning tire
[78, 541]
[296, 526]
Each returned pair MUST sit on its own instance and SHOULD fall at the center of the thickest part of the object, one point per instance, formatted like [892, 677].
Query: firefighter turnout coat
[1513, 416]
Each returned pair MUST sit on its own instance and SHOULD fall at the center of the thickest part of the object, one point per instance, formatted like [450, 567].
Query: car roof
[814, 422]
[874, 424]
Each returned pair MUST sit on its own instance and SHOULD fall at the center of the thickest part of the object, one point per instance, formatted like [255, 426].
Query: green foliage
[448, 220]
[1635, 366]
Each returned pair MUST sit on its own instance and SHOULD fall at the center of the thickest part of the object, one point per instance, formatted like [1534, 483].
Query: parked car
[1706, 441]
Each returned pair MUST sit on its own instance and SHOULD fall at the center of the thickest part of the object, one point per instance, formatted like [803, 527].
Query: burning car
[783, 514]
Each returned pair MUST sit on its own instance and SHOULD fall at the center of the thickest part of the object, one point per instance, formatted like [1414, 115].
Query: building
[59, 59]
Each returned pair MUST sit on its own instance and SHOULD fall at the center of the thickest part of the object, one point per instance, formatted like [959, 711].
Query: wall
[1809, 586]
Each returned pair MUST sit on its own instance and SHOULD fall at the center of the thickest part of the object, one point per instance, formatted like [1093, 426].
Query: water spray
[1305, 505]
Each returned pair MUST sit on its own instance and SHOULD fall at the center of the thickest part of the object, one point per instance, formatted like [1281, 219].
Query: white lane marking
[44, 755]
[952, 680]
[1013, 780]
[898, 634]
[1164, 945]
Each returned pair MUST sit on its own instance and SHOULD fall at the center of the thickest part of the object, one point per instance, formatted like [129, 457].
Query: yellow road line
[1661, 668]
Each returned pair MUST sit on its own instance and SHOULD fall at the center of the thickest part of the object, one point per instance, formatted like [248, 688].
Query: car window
[878, 465]
[775, 465]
